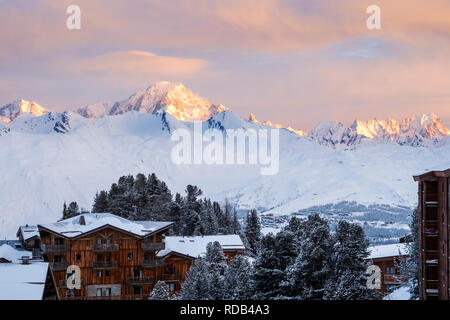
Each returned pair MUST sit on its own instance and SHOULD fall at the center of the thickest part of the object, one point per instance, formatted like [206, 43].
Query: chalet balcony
[170, 277]
[59, 266]
[392, 278]
[153, 246]
[140, 281]
[105, 264]
[106, 247]
[63, 283]
[152, 263]
[54, 248]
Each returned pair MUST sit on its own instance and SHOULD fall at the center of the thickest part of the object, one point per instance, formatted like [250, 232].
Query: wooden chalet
[181, 252]
[122, 259]
[31, 240]
[433, 207]
[116, 257]
[388, 258]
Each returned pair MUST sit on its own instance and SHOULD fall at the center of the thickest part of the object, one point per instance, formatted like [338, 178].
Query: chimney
[82, 220]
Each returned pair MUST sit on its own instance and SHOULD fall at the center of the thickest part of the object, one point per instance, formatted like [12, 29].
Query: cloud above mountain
[291, 61]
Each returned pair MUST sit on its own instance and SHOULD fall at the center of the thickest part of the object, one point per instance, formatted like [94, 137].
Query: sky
[294, 62]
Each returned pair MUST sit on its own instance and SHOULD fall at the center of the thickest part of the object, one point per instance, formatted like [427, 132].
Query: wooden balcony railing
[105, 264]
[170, 277]
[140, 281]
[106, 247]
[36, 253]
[63, 283]
[153, 246]
[54, 248]
[392, 278]
[152, 263]
[59, 266]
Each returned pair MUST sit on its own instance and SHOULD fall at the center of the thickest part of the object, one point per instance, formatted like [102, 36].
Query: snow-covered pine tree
[160, 291]
[196, 286]
[190, 223]
[70, 211]
[100, 202]
[252, 231]
[347, 279]
[217, 265]
[238, 283]
[307, 276]
[410, 267]
[267, 276]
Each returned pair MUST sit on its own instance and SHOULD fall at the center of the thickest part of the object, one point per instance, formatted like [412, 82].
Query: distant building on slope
[388, 257]
[434, 207]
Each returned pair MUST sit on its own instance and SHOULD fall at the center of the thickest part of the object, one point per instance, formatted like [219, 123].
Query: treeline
[303, 261]
[148, 198]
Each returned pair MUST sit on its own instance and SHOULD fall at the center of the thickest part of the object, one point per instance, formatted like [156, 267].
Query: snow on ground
[401, 293]
[41, 171]
[22, 282]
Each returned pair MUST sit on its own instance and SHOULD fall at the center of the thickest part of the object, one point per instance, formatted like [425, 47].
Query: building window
[108, 273]
[99, 240]
[130, 256]
[70, 293]
[99, 292]
[391, 270]
[170, 270]
[108, 241]
[99, 274]
[59, 241]
[171, 286]
[107, 292]
[78, 257]
[137, 290]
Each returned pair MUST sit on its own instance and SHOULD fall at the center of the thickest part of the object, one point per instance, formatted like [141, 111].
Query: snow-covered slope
[55, 157]
[41, 171]
[276, 125]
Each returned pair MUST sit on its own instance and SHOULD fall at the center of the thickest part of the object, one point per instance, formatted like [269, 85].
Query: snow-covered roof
[74, 227]
[388, 250]
[22, 281]
[29, 232]
[13, 255]
[196, 246]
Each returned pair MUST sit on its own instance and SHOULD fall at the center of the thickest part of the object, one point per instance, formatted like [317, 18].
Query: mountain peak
[171, 97]
[11, 111]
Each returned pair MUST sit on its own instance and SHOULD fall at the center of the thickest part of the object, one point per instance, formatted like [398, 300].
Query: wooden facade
[114, 264]
[118, 264]
[391, 278]
[433, 207]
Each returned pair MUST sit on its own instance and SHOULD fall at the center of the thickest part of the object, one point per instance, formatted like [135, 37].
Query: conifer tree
[307, 276]
[160, 291]
[196, 286]
[238, 282]
[252, 231]
[348, 279]
[70, 211]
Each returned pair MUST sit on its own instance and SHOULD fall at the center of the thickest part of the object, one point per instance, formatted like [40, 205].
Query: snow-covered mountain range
[47, 158]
